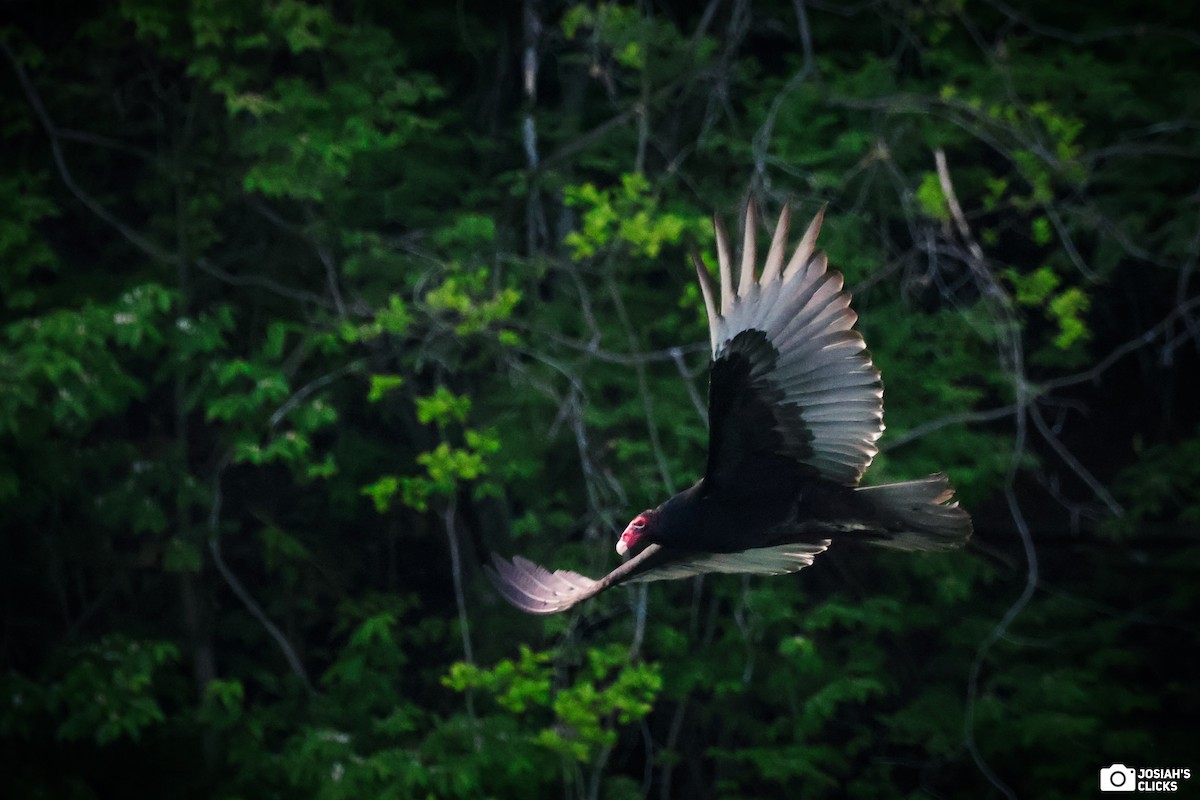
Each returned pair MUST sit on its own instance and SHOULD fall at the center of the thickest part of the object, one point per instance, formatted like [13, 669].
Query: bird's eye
[639, 523]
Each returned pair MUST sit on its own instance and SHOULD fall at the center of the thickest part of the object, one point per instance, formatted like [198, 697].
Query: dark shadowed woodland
[306, 309]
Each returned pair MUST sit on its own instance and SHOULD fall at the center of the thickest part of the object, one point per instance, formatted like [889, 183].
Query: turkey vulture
[795, 407]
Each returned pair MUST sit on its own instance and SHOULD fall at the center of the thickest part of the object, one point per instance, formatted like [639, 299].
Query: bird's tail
[918, 515]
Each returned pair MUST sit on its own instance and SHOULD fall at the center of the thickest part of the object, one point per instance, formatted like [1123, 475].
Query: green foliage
[66, 364]
[445, 466]
[22, 251]
[1162, 488]
[1033, 289]
[314, 125]
[466, 297]
[107, 692]
[931, 199]
[575, 720]
[383, 385]
[627, 216]
[393, 320]
[1067, 309]
[251, 389]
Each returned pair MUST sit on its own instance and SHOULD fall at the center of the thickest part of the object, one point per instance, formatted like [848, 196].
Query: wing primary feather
[805, 249]
[534, 589]
[804, 297]
[522, 576]
[773, 269]
[710, 307]
[833, 374]
[749, 247]
[725, 266]
[508, 582]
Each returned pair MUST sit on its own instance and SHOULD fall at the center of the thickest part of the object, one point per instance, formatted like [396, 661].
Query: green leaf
[181, 555]
[443, 407]
[931, 199]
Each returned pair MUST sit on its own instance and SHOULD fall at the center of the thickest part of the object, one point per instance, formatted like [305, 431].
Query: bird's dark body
[789, 509]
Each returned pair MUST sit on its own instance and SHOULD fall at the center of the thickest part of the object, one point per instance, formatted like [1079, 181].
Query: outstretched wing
[790, 377]
[537, 590]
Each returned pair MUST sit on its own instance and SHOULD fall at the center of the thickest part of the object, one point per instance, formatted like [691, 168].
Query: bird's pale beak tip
[622, 548]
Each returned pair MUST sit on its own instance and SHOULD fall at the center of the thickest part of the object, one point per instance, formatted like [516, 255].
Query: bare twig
[256, 611]
[1066, 455]
[148, 247]
[1087, 37]
[535, 223]
[1013, 357]
[697, 401]
[585, 140]
[611, 357]
[762, 138]
[956, 212]
[460, 600]
[1131, 346]
[964, 417]
[306, 390]
[299, 295]
[660, 458]
[331, 279]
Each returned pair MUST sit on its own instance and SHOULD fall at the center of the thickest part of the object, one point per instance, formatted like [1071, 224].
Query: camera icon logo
[1118, 778]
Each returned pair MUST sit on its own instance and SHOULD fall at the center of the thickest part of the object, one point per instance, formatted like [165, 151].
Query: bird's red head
[634, 537]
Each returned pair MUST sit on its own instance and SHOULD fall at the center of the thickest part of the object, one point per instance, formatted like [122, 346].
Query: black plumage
[795, 409]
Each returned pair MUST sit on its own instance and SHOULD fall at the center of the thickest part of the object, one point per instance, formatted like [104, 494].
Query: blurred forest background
[307, 308]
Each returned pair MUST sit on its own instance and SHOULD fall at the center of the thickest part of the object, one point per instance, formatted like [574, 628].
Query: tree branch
[256, 611]
[35, 101]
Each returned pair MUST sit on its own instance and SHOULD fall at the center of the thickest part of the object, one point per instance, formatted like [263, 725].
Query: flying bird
[795, 407]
